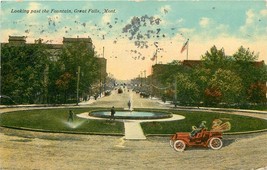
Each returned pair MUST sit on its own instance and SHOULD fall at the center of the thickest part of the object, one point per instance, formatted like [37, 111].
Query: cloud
[165, 9]
[186, 30]
[34, 5]
[222, 29]
[180, 21]
[263, 12]
[250, 17]
[32, 18]
[8, 32]
[106, 18]
[137, 0]
[252, 26]
[204, 22]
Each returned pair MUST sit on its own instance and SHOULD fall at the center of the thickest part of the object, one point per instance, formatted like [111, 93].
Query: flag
[185, 46]
[154, 56]
[156, 44]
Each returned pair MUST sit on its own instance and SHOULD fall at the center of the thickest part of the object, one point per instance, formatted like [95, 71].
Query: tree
[253, 75]
[187, 89]
[215, 59]
[74, 55]
[201, 78]
[245, 55]
[225, 86]
[23, 72]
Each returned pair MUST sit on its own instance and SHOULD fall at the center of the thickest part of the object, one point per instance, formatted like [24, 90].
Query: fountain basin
[132, 114]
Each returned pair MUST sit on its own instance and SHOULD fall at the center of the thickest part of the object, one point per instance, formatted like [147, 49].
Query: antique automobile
[201, 136]
[204, 138]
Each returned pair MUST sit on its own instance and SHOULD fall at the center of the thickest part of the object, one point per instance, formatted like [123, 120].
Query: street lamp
[78, 82]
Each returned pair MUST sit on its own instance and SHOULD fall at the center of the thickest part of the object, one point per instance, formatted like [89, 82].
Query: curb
[220, 110]
[65, 132]
[232, 133]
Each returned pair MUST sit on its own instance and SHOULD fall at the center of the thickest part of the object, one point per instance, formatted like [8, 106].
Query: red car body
[180, 140]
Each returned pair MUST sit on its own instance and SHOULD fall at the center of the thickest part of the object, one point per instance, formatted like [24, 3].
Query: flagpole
[156, 56]
[185, 46]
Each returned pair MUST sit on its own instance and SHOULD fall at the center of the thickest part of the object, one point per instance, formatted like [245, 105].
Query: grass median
[56, 120]
[238, 123]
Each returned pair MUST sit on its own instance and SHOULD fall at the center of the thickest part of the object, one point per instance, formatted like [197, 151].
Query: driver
[196, 130]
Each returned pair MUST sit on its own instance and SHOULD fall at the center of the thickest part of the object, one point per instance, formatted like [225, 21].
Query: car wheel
[171, 143]
[215, 143]
[179, 145]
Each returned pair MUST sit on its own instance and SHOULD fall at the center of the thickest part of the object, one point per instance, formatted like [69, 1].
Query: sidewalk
[82, 103]
[133, 131]
[170, 105]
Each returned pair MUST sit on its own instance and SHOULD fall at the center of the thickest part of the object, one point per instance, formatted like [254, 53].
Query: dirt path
[36, 150]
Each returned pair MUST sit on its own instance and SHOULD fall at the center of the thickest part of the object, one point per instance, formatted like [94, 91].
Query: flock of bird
[143, 32]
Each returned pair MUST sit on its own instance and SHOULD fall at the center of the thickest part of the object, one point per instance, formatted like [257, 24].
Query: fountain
[130, 113]
[74, 124]
[130, 102]
[125, 114]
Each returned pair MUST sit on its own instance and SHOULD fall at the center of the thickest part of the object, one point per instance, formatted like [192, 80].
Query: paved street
[121, 100]
[35, 150]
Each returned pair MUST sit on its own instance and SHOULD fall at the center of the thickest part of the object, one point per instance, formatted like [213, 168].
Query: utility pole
[0, 81]
[151, 82]
[175, 91]
[101, 65]
[187, 49]
[145, 79]
[141, 77]
[78, 82]
[100, 81]
[103, 52]
[145, 73]
[105, 72]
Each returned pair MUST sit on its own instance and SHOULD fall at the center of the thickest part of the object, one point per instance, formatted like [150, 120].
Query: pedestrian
[129, 104]
[112, 112]
[96, 96]
[71, 116]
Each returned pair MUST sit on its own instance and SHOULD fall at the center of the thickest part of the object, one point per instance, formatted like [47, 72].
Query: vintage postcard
[133, 84]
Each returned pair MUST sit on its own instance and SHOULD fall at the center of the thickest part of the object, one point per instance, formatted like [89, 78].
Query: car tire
[215, 143]
[179, 145]
[171, 143]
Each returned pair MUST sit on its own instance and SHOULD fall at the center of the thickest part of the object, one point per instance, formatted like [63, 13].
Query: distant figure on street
[129, 104]
[96, 96]
[112, 112]
[71, 116]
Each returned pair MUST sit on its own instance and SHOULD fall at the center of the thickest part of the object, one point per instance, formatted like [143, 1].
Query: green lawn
[56, 120]
[238, 123]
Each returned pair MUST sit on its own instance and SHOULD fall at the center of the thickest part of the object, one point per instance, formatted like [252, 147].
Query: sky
[133, 32]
